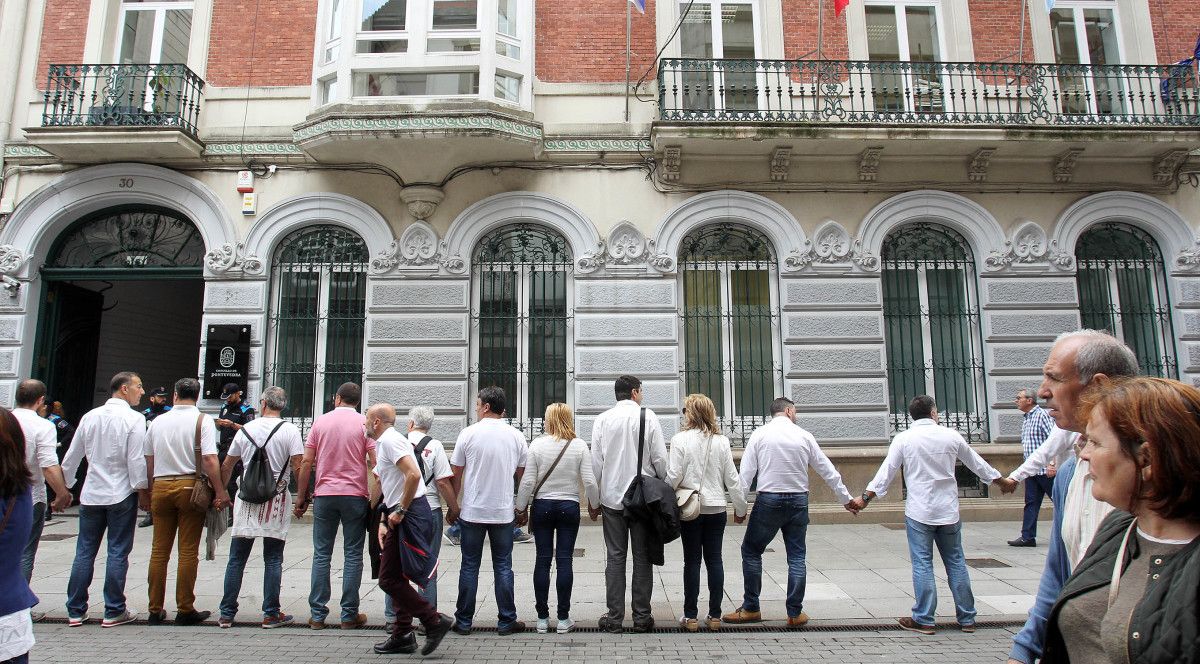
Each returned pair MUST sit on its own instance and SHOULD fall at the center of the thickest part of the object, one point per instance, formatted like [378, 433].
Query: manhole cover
[986, 562]
[578, 553]
[893, 526]
[56, 537]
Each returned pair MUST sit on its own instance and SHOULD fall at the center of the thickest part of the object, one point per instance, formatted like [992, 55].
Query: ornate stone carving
[1064, 165]
[417, 249]
[868, 164]
[626, 244]
[781, 163]
[1058, 258]
[830, 246]
[977, 168]
[11, 259]
[1188, 259]
[422, 200]
[591, 260]
[671, 164]
[1028, 245]
[662, 262]
[1167, 165]
[863, 258]
[232, 258]
[10, 285]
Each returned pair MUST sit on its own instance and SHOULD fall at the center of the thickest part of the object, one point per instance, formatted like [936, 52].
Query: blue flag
[640, 5]
[1178, 75]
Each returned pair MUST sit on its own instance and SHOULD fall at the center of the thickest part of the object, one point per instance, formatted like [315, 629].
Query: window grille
[730, 324]
[931, 321]
[521, 321]
[1123, 289]
[317, 317]
[129, 237]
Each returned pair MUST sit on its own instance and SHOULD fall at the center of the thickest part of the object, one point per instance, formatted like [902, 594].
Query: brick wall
[994, 30]
[584, 42]
[1176, 24]
[278, 52]
[800, 31]
[64, 22]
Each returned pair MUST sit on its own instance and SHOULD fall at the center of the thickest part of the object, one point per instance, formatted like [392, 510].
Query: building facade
[914, 197]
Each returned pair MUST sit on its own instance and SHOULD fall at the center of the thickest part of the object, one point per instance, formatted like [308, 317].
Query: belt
[189, 476]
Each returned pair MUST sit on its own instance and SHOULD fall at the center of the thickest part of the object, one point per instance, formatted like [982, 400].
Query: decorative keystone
[422, 200]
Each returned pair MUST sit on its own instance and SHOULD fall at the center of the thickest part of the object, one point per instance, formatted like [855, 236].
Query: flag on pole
[640, 5]
[839, 6]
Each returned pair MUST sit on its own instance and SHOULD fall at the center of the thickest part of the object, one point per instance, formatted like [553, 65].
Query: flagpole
[628, 30]
[820, 27]
[1021, 41]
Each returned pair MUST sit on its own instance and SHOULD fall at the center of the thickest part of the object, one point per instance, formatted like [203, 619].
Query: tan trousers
[170, 503]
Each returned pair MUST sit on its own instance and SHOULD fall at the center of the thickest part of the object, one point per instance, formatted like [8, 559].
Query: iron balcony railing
[933, 93]
[122, 96]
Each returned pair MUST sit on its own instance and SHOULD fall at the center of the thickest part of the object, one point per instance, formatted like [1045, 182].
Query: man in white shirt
[614, 463]
[928, 451]
[112, 438]
[438, 480]
[777, 457]
[284, 449]
[171, 463]
[407, 518]
[488, 461]
[41, 456]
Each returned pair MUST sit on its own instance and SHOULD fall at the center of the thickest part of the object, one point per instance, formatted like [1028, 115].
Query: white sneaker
[76, 622]
[543, 625]
[566, 625]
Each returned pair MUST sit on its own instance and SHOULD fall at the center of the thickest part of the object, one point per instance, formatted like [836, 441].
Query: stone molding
[304, 210]
[962, 214]
[1176, 240]
[230, 259]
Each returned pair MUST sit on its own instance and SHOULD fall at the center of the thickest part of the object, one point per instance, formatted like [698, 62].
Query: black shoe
[192, 617]
[159, 618]
[1021, 541]
[146, 522]
[397, 645]
[515, 627]
[642, 627]
[435, 633]
[459, 629]
[607, 624]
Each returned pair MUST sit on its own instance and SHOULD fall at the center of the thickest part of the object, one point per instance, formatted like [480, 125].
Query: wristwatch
[867, 498]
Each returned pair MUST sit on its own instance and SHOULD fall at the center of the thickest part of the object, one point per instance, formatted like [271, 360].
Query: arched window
[318, 304]
[931, 327]
[521, 274]
[1123, 288]
[129, 237]
[730, 322]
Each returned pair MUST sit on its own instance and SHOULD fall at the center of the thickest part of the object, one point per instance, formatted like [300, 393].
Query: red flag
[839, 6]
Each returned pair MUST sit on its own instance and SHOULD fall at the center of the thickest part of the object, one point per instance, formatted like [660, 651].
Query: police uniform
[150, 413]
[239, 413]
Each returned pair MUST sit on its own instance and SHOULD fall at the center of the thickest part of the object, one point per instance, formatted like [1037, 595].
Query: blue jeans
[455, 530]
[35, 537]
[500, 535]
[350, 512]
[239, 553]
[1036, 488]
[548, 518]
[701, 539]
[921, 538]
[120, 522]
[772, 513]
[429, 594]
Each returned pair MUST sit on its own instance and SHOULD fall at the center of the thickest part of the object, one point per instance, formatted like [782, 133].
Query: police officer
[234, 414]
[158, 406]
[53, 411]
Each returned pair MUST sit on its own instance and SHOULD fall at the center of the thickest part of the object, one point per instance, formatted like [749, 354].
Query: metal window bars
[317, 317]
[134, 95]
[1122, 286]
[129, 237]
[932, 93]
[521, 323]
[730, 324]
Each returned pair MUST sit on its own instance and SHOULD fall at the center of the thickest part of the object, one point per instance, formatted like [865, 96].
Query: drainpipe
[12, 32]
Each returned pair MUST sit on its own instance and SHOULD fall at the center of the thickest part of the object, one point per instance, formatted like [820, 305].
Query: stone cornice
[419, 124]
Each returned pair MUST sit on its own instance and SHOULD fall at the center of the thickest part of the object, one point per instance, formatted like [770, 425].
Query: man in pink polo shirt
[343, 454]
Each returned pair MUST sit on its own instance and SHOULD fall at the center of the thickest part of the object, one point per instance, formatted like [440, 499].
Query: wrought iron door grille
[522, 319]
[129, 237]
[317, 317]
[730, 324]
[1122, 288]
[931, 328]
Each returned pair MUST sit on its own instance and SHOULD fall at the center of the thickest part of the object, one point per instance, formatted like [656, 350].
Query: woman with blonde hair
[558, 463]
[701, 460]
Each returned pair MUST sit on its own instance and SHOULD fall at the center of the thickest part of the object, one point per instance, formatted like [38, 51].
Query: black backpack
[259, 484]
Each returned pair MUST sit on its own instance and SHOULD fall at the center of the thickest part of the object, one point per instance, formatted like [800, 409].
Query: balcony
[940, 109]
[112, 112]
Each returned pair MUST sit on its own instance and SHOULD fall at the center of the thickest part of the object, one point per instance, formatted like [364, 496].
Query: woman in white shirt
[701, 459]
[558, 463]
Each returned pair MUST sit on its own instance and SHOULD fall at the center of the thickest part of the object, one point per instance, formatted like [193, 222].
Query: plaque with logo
[226, 358]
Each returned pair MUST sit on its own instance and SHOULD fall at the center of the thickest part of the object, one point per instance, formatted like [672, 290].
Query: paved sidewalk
[858, 575]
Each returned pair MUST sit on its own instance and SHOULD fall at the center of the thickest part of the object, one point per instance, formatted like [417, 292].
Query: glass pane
[1096, 310]
[177, 34]
[296, 339]
[136, 37]
[383, 15]
[1101, 34]
[950, 338]
[328, 90]
[547, 356]
[883, 45]
[753, 351]
[395, 84]
[498, 318]
[1071, 82]
[506, 17]
[737, 42]
[904, 338]
[335, 21]
[344, 329]
[923, 50]
[702, 330]
[453, 45]
[695, 41]
[1140, 317]
[508, 50]
[508, 87]
[454, 14]
[374, 46]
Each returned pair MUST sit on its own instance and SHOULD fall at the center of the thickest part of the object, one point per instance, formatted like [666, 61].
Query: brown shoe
[689, 624]
[713, 624]
[914, 626]
[316, 624]
[359, 621]
[742, 616]
[798, 621]
[969, 629]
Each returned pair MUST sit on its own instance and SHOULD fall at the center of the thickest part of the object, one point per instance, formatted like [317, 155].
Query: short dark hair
[781, 404]
[121, 380]
[625, 385]
[187, 389]
[921, 407]
[29, 391]
[493, 398]
[350, 393]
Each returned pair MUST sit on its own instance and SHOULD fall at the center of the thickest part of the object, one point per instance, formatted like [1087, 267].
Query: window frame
[160, 9]
[717, 39]
[904, 48]
[1077, 8]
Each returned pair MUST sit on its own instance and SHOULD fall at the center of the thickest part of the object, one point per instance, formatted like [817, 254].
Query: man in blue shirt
[1034, 429]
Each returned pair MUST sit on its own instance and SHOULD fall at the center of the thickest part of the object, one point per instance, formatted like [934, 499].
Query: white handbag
[688, 500]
